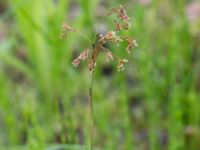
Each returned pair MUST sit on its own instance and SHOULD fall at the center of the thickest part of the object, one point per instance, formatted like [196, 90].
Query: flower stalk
[91, 54]
[91, 112]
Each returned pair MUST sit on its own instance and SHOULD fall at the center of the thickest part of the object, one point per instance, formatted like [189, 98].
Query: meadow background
[153, 105]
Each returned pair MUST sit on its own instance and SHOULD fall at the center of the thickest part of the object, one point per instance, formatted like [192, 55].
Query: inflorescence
[123, 23]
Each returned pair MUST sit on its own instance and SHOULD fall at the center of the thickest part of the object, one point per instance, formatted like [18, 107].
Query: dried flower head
[92, 60]
[109, 36]
[82, 56]
[121, 63]
[91, 65]
[99, 45]
[131, 44]
[122, 16]
[65, 28]
[118, 26]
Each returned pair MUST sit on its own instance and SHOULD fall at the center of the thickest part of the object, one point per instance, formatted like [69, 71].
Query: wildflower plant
[122, 23]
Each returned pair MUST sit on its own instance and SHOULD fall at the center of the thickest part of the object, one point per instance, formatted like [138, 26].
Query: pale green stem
[91, 112]
[83, 35]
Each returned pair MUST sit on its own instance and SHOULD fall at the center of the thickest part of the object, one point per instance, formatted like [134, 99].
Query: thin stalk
[101, 20]
[96, 33]
[83, 35]
[91, 112]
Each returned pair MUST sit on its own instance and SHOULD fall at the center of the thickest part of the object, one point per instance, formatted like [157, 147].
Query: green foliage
[154, 104]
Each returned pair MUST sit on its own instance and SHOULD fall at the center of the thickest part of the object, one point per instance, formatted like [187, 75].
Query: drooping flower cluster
[82, 56]
[120, 66]
[131, 44]
[111, 36]
[122, 16]
[65, 28]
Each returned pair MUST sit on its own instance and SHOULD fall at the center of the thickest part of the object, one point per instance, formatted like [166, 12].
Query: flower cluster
[131, 44]
[122, 16]
[110, 36]
[82, 56]
[120, 66]
[92, 60]
[65, 28]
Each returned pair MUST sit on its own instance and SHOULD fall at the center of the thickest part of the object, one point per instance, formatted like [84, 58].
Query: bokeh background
[153, 105]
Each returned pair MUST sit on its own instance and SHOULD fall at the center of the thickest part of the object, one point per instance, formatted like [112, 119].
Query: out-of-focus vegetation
[153, 105]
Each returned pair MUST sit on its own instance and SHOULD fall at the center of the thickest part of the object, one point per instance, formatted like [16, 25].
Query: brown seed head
[122, 15]
[122, 23]
[91, 65]
[82, 56]
[65, 28]
[76, 62]
[118, 26]
[131, 44]
[121, 63]
[109, 36]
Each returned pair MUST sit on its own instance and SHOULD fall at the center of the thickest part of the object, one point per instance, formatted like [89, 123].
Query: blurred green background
[153, 105]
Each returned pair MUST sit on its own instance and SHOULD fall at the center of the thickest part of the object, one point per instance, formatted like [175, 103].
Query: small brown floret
[82, 56]
[121, 63]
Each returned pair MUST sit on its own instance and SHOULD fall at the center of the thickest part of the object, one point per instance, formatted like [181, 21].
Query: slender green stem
[102, 19]
[96, 33]
[91, 112]
[83, 35]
